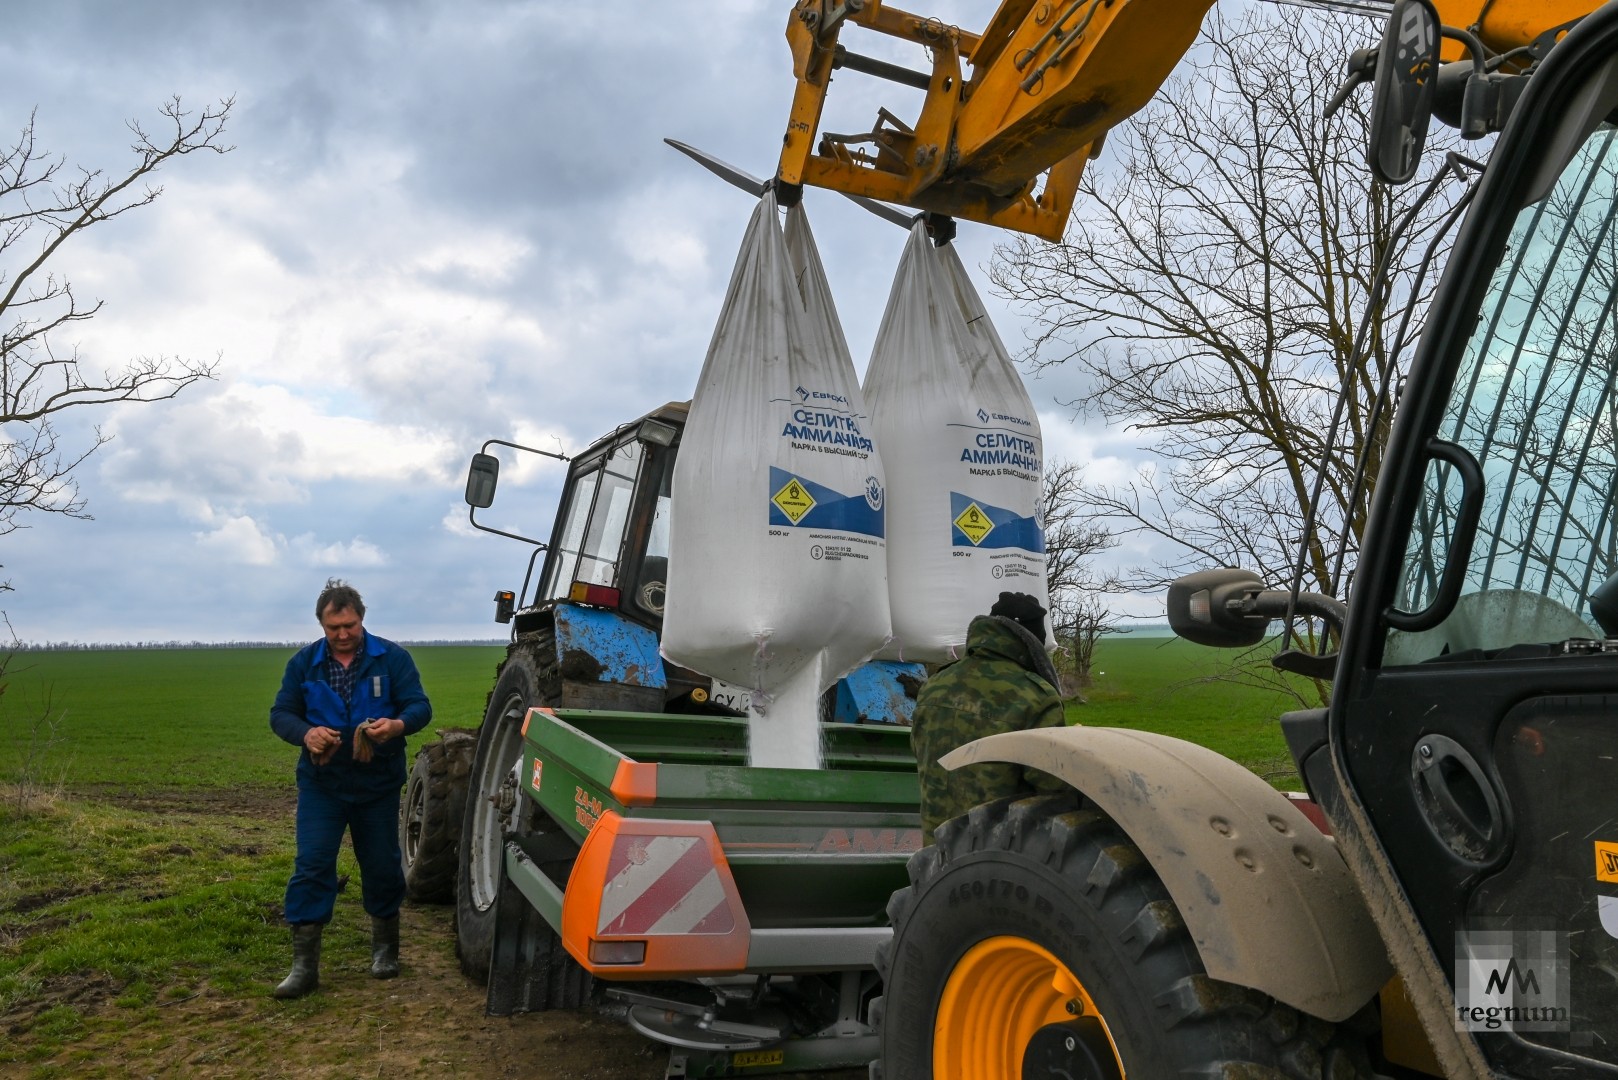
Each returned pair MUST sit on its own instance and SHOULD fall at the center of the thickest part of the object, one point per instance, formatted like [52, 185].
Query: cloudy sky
[440, 223]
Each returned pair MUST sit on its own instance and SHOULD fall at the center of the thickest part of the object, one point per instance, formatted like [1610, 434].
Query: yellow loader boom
[1012, 114]
[1503, 25]
[1006, 143]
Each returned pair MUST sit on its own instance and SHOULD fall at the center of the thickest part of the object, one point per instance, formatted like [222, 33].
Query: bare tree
[1212, 287]
[43, 205]
[1080, 615]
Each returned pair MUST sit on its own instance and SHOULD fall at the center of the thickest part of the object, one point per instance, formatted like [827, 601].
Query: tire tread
[443, 765]
[1216, 1030]
[534, 655]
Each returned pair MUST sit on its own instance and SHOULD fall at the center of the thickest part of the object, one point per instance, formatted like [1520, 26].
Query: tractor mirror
[481, 479]
[1199, 611]
[1406, 76]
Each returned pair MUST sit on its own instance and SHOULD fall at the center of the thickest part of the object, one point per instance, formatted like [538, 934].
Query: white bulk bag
[777, 562]
[962, 448]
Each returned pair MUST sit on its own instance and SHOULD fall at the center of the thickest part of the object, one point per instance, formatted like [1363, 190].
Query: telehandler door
[1475, 712]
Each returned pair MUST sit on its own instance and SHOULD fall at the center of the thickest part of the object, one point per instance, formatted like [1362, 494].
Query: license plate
[727, 696]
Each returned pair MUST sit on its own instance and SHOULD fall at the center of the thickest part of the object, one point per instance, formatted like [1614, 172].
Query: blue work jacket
[386, 685]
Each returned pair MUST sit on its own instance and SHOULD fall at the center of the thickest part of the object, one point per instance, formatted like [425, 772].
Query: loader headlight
[657, 433]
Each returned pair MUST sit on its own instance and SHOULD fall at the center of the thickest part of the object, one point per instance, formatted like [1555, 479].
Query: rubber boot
[305, 975]
[384, 948]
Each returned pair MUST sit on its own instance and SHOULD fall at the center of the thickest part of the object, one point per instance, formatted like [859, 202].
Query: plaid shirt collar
[342, 678]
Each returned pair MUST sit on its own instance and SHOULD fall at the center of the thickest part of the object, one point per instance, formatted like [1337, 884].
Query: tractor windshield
[654, 570]
[1535, 402]
[597, 513]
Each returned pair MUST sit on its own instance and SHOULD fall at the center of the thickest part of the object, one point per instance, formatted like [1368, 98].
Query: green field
[156, 878]
[167, 718]
[183, 717]
[1167, 685]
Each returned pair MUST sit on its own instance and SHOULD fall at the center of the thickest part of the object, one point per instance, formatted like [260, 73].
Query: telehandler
[1172, 915]
[1451, 910]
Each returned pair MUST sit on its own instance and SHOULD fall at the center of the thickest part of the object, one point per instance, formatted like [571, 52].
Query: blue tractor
[585, 628]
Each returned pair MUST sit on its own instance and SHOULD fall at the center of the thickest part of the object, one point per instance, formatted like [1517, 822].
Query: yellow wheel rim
[999, 994]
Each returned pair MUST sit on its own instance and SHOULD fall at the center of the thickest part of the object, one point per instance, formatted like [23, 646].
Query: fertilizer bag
[962, 449]
[777, 568]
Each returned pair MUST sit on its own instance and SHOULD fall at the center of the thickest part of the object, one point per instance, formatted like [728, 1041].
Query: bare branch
[1080, 615]
[1210, 292]
[43, 205]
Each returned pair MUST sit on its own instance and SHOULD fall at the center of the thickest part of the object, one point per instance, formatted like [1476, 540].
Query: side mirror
[1198, 609]
[1406, 75]
[481, 479]
[1603, 605]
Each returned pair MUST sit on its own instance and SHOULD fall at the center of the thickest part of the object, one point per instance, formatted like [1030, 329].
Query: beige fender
[1267, 898]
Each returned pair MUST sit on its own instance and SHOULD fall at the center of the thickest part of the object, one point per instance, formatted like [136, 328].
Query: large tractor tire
[430, 816]
[496, 807]
[1035, 939]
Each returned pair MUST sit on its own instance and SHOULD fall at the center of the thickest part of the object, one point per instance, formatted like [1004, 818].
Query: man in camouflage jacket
[1005, 682]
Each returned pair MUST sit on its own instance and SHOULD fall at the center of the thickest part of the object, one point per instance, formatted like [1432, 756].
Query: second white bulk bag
[962, 448]
[777, 562]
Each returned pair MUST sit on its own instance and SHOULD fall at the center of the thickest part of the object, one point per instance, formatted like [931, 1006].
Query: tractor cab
[609, 546]
[598, 596]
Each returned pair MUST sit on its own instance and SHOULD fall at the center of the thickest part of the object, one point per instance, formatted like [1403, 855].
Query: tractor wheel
[430, 816]
[1035, 940]
[496, 807]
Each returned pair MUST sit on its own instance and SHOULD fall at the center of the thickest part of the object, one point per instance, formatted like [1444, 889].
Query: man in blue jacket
[349, 701]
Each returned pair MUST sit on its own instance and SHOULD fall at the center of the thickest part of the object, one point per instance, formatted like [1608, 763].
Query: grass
[1175, 688]
[121, 902]
[172, 718]
[103, 901]
[111, 916]
[143, 899]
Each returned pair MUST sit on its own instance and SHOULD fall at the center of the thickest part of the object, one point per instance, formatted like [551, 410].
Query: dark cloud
[443, 222]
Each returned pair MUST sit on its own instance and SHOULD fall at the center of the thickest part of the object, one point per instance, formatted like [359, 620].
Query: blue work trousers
[373, 825]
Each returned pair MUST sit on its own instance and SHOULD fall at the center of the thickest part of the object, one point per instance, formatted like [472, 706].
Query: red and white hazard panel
[663, 885]
[656, 897]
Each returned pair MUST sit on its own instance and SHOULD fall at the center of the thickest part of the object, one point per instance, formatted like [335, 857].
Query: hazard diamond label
[794, 500]
[1606, 861]
[974, 523]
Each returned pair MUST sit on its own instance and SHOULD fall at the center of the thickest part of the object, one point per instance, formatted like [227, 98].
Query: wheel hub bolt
[1075, 1007]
